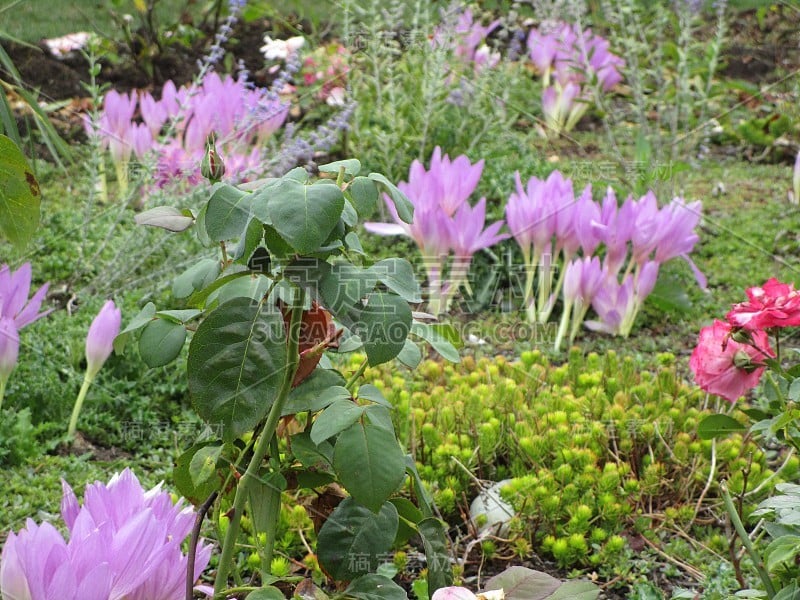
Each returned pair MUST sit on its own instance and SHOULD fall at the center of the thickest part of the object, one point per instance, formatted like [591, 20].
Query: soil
[759, 50]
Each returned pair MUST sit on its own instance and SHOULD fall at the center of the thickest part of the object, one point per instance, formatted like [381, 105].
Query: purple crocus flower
[618, 304]
[124, 542]
[100, 339]
[582, 280]
[615, 229]
[647, 227]
[677, 236]
[154, 114]
[9, 351]
[14, 289]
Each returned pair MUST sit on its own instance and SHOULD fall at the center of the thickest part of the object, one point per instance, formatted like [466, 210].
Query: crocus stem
[76, 410]
[577, 319]
[121, 167]
[545, 283]
[562, 326]
[748, 545]
[2, 391]
[553, 294]
[261, 447]
[530, 274]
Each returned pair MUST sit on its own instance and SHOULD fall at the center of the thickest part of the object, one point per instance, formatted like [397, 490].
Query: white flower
[335, 97]
[281, 49]
[69, 43]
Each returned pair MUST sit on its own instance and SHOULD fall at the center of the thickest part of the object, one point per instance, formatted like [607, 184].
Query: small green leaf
[373, 394]
[179, 316]
[313, 394]
[434, 336]
[714, 426]
[343, 286]
[143, 318]
[337, 417]
[434, 540]
[398, 275]
[363, 193]
[269, 592]
[353, 538]
[369, 463]
[196, 277]
[404, 207]
[782, 550]
[351, 166]
[305, 215]
[181, 475]
[161, 342]
[237, 363]
[375, 587]
[521, 583]
[20, 196]
[165, 217]
[383, 324]
[203, 465]
[410, 355]
[227, 213]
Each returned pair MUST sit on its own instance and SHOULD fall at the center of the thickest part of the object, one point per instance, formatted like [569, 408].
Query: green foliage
[19, 438]
[20, 195]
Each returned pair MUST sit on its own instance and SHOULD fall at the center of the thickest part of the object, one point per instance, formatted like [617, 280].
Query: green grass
[32, 20]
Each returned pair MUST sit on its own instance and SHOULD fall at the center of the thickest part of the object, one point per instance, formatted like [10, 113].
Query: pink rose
[725, 367]
[775, 304]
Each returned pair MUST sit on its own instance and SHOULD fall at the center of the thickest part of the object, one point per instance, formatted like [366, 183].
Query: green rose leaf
[375, 587]
[143, 318]
[404, 207]
[161, 342]
[383, 324]
[337, 417]
[353, 538]
[363, 193]
[165, 217]
[196, 277]
[369, 463]
[227, 213]
[398, 275]
[237, 362]
[351, 166]
[434, 540]
[718, 426]
[20, 197]
[203, 465]
[305, 215]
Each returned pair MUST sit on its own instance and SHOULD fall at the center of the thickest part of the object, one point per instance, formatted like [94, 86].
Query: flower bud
[742, 360]
[212, 167]
[100, 339]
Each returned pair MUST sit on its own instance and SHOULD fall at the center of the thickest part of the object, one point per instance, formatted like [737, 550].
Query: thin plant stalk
[76, 410]
[733, 514]
[261, 447]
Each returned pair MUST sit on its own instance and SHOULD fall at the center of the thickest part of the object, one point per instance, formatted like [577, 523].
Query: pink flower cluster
[729, 357]
[176, 127]
[326, 68]
[444, 221]
[124, 542]
[553, 227]
[568, 59]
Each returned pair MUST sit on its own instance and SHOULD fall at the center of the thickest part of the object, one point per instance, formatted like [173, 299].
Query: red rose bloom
[725, 367]
[775, 304]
